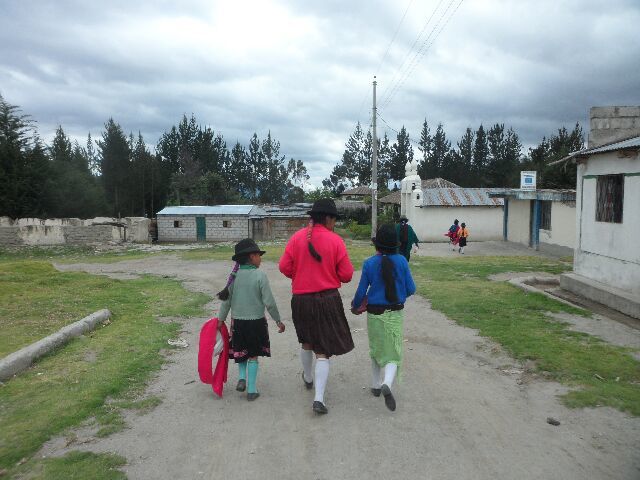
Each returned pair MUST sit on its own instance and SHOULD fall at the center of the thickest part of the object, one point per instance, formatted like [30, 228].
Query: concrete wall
[608, 252]
[563, 226]
[239, 227]
[215, 230]
[431, 223]
[612, 124]
[72, 231]
[563, 221]
[518, 221]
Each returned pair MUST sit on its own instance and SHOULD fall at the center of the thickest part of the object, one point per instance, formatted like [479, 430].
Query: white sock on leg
[390, 370]
[306, 357]
[375, 374]
[322, 374]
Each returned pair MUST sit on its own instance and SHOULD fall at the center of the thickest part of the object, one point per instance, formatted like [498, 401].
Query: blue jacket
[372, 284]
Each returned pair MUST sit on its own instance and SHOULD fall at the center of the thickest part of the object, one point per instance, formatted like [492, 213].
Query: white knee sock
[390, 370]
[375, 374]
[462, 250]
[322, 374]
[306, 357]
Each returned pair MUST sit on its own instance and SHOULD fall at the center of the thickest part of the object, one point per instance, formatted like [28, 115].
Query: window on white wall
[545, 215]
[177, 223]
[226, 223]
[609, 198]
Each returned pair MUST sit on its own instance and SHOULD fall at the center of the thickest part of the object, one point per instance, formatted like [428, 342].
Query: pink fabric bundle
[208, 334]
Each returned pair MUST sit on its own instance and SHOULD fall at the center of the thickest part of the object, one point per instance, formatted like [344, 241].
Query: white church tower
[410, 190]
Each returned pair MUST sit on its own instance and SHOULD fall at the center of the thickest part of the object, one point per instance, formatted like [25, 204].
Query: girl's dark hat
[386, 237]
[245, 247]
[324, 205]
[403, 218]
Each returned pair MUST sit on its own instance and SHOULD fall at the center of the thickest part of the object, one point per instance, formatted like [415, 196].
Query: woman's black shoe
[319, 408]
[241, 386]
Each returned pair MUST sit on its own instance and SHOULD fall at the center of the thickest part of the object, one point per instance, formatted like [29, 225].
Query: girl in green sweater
[246, 295]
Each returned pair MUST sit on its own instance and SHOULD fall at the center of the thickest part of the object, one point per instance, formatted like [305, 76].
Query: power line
[398, 133]
[384, 57]
[424, 49]
[410, 51]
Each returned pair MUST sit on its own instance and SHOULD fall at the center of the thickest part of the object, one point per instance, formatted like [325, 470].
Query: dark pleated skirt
[320, 321]
[463, 241]
[249, 338]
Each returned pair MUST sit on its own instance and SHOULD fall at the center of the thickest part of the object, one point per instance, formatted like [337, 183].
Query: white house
[432, 210]
[607, 258]
[540, 219]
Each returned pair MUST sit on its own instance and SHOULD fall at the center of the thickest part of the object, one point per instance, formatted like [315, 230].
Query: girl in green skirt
[385, 284]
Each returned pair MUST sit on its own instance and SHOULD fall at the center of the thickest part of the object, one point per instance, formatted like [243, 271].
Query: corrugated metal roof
[460, 197]
[357, 191]
[252, 210]
[629, 143]
[565, 195]
[438, 183]
[394, 197]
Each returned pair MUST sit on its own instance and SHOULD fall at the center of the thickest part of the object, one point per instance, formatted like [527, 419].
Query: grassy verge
[91, 377]
[602, 374]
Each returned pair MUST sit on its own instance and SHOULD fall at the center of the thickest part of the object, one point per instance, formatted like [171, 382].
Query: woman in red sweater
[317, 262]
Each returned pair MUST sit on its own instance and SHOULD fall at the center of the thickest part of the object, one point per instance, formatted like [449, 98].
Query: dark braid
[224, 293]
[320, 218]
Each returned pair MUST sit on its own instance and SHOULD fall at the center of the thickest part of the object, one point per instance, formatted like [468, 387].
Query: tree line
[118, 175]
[481, 158]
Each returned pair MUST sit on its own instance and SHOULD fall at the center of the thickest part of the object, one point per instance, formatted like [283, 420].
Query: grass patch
[75, 466]
[72, 384]
[518, 320]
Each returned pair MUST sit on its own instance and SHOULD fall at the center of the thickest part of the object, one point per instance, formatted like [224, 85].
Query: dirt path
[465, 410]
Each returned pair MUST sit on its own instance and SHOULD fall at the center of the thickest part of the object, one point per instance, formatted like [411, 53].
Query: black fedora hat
[326, 206]
[403, 218]
[245, 247]
[386, 237]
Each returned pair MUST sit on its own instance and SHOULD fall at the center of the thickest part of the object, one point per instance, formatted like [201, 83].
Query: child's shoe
[376, 391]
[241, 386]
[252, 396]
[319, 408]
[389, 401]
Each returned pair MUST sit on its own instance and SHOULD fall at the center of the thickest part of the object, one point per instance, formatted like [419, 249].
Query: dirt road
[465, 410]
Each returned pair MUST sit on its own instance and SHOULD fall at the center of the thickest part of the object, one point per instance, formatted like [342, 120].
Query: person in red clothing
[317, 262]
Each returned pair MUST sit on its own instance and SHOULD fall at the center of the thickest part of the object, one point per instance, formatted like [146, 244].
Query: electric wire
[423, 50]
[410, 51]
[384, 57]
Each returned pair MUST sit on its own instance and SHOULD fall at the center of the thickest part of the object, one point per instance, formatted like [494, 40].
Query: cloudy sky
[304, 69]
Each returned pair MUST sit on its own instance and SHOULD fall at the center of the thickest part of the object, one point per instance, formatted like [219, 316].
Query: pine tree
[425, 170]
[440, 164]
[24, 166]
[274, 185]
[480, 158]
[114, 158]
[464, 160]
[401, 153]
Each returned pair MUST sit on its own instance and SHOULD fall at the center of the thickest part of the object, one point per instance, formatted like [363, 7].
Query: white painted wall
[431, 223]
[518, 221]
[608, 252]
[215, 231]
[563, 226]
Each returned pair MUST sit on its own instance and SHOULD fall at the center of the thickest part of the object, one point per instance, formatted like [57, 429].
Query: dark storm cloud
[304, 71]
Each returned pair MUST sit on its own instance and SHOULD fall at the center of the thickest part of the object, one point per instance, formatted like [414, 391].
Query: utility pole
[374, 169]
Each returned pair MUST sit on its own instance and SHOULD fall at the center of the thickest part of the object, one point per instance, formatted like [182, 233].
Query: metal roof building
[459, 197]
[228, 222]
